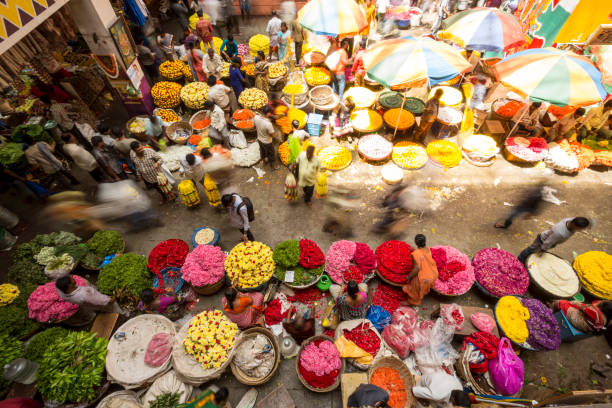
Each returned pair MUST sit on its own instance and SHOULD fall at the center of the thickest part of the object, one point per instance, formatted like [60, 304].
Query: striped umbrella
[336, 18]
[551, 75]
[483, 29]
[407, 62]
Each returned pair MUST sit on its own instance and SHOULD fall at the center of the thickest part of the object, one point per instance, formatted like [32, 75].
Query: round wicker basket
[138, 135]
[321, 95]
[297, 362]
[209, 289]
[396, 364]
[199, 115]
[480, 385]
[246, 379]
[546, 293]
[388, 282]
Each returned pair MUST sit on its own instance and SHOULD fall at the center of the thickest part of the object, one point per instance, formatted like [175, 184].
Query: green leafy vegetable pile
[125, 277]
[71, 368]
[12, 155]
[104, 243]
[287, 254]
[10, 349]
[166, 400]
[36, 132]
[301, 276]
[27, 272]
[14, 318]
[36, 348]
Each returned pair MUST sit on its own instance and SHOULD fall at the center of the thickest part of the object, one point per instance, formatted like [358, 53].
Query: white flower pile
[246, 157]
[173, 154]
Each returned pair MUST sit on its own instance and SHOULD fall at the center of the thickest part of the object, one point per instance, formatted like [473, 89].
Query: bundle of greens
[12, 155]
[125, 277]
[72, 367]
[36, 132]
[27, 271]
[10, 349]
[15, 321]
[287, 254]
[104, 243]
[36, 348]
[166, 400]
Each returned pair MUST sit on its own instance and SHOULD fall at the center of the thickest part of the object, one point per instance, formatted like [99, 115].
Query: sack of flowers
[362, 334]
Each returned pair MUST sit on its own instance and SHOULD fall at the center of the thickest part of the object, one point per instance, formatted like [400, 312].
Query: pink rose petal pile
[45, 305]
[500, 273]
[461, 281]
[322, 359]
[205, 265]
[338, 259]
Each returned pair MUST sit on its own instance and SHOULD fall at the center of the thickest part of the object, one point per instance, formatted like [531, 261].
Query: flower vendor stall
[45, 305]
[304, 261]
[143, 353]
[409, 155]
[444, 153]
[363, 335]
[251, 265]
[553, 276]
[168, 253]
[374, 147]
[528, 150]
[335, 157]
[348, 260]
[455, 271]
[392, 375]
[594, 269]
[499, 273]
[394, 262]
[204, 269]
[204, 347]
[318, 364]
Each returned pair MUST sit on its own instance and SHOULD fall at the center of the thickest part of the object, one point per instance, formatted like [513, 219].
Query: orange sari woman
[244, 309]
[421, 280]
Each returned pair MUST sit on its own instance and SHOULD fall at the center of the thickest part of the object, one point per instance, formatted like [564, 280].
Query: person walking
[284, 41]
[195, 58]
[107, 158]
[239, 216]
[528, 205]
[236, 78]
[272, 29]
[81, 157]
[212, 64]
[40, 155]
[358, 68]
[147, 163]
[245, 10]
[429, 116]
[297, 34]
[147, 59]
[265, 137]
[559, 233]
[308, 166]
[443, 12]
[421, 279]
[339, 83]
[191, 166]
[204, 30]
[165, 42]
[182, 13]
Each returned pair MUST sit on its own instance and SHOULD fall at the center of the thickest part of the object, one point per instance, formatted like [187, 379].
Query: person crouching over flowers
[425, 273]
[353, 303]
[244, 309]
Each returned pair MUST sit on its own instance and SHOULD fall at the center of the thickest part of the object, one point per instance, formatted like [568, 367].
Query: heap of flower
[205, 265]
[594, 269]
[374, 147]
[362, 97]
[390, 380]
[253, 98]
[512, 317]
[500, 273]
[317, 76]
[348, 260]
[366, 120]
[277, 70]
[259, 42]
[45, 305]
[8, 294]
[273, 312]
[210, 338]
[388, 297]
[168, 253]
[166, 94]
[481, 144]
[444, 152]
[194, 94]
[365, 337]
[509, 109]
[584, 154]
[409, 155]
[334, 157]
[531, 149]
[544, 332]
[455, 271]
[398, 118]
[172, 69]
[168, 115]
[319, 364]
[251, 264]
[303, 257]
[394, 260]
[561, 160]
[243, 49]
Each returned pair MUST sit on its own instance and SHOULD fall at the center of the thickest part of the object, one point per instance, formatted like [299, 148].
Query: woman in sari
[261, 72]
[421, 280]
[244, 309]
[353, 303]
[194, 58]
[284, 36]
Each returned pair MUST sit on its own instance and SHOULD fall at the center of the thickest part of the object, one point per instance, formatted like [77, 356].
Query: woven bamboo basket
[199, 115]
[209, 289]
[176, 126]
[246, 379]
[396, 364]
[480, 385]
[297, 362]
[321, 95]
[138, 135]
[388, 282]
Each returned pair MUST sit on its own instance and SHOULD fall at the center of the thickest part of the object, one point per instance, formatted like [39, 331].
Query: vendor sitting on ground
[528, 118]
[422, 278]
[595, 121]
[302, 326]
[565, 127]
[584, 317]
[157, 303]
[87, 298]
[353, 303]
[340, 119]
[244, 309]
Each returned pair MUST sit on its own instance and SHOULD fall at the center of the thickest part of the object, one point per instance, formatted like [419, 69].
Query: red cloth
[487, 344]
[593, 315]
[20, 403]
[158, 350]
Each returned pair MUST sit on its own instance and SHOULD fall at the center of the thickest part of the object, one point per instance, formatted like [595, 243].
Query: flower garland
[394, 260]
[45, 305]
[319, 364]
[342, 253]
[388, 297]
[364, 337]
[544, 332]
[210, 338]
[168, 253]
[250, 263]
[205, 265]
[455, 271]
[500, 273]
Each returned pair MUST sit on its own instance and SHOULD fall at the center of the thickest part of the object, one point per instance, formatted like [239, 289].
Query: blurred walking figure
[339, 208]
[528, 206]
[398, 205]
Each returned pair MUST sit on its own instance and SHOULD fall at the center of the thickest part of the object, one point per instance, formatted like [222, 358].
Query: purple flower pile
[500, 273]
[544, 332]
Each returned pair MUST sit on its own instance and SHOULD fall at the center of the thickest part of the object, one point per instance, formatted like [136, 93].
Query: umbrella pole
[517, 122]
[400, 115]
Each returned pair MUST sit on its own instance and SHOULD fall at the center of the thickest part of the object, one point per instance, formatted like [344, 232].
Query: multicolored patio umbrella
[408, 61]
[336, 18]
[551, 75]
[483, 29]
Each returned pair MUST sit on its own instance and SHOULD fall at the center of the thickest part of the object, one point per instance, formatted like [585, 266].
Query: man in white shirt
[381, 10]
[238, 213]
[220, 95]
[81, 157]
[265, 137]
[87, 298]
[191, 165]
[211, 63]
[218, 129]
[559, 233]
[274, 26]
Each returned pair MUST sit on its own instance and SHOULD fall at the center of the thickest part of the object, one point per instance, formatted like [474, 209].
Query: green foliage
[301, 276]
[27, 272]
[72, 367]
[126, 276]
[29, 249]
[12, 155]
[36, 348]
[104, 243]
[36, 132]
[77, 251]
[10, 349]
[287, 254]
[166, 400]
[14, 321]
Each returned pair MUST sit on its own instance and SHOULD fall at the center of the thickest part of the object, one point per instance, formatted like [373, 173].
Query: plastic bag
[158, 350]
[506, 370]
[348, 349]
[397, 339]
[483, 322]
[407, 317]
[331, 316]
[379, 317]
[452, 315]
[434, 349]
[237, 139]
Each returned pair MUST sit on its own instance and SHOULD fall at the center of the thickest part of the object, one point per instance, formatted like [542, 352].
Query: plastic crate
[569, 333]
[313, 124]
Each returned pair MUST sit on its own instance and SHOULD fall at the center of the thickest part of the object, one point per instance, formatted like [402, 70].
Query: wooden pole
[400, 114]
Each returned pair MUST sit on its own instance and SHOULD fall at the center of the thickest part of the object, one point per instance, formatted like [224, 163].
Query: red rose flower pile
[311, 256]
[342, 254]
[364, 337]
[388, 297]
[168, 253]
[353, 273]
[394, 261]
[306, 296]
[273, 312]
